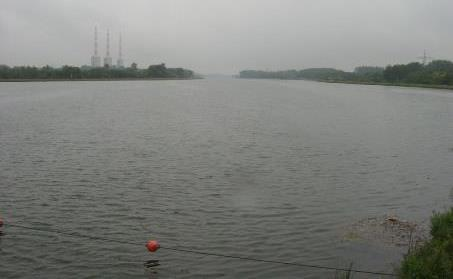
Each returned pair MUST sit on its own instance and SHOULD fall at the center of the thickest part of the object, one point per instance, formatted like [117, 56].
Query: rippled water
[268, 169]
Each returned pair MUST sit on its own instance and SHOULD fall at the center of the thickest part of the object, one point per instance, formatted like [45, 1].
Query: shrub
[435, 258]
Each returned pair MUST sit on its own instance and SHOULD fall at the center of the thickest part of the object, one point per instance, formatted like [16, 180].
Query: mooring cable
[74, 234]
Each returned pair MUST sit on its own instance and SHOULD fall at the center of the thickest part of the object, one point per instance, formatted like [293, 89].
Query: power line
[73, 234]
[279, 262]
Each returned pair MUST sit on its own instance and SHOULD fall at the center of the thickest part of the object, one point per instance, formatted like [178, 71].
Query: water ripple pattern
[265, 169]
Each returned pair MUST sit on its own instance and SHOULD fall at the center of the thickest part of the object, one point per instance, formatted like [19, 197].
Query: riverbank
[92, 79]
[431, 86]
[433, 259]
[437, 74]
[85, 73]
[415, 85]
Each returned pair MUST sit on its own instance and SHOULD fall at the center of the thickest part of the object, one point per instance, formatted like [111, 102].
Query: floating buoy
[152, 245]
[1, 222]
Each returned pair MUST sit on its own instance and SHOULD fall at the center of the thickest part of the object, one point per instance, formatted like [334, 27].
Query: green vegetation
[435, 258]
[84, 72]
[311, 74]
[438, 72]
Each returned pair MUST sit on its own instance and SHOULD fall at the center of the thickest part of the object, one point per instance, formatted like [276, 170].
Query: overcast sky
[226, 36]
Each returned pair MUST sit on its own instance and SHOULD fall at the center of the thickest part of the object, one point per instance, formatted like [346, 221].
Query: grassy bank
[432, 86]
[434, 259]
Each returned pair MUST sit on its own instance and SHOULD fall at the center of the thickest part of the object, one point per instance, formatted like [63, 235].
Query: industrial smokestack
[120, 62]
[107, 58]
[95, 59]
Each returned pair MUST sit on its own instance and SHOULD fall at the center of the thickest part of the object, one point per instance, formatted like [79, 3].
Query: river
[268, 169]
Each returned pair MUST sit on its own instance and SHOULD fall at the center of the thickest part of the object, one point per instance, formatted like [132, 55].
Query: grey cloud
[226, 35]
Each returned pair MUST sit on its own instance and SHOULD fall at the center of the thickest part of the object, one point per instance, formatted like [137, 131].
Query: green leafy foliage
[435, 258]
[85, 72]
[312, 73]
[438, 72]
[442, 226]
[368, 73]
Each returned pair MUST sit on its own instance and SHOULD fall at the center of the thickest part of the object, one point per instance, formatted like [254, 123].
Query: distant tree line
[438, 72]
[85, 72]
[312, 73]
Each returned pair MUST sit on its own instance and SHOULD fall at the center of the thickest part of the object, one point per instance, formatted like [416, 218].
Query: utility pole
[424, 58]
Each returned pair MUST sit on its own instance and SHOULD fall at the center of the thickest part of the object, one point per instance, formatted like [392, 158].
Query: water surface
[257, 168]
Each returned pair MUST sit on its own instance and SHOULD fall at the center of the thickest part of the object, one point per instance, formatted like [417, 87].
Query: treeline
[85, 72]
[312, 73]
[438, 72]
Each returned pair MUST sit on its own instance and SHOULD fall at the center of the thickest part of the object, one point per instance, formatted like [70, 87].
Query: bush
[435, 258]
[442, 226]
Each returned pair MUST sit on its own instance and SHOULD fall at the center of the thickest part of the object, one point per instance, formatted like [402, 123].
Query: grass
[344, 274]
[434, 259]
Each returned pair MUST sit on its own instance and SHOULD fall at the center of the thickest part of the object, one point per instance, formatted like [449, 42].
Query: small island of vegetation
[47, 73]
[437, 74]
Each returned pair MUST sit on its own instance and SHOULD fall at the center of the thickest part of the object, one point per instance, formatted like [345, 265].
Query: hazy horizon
[222, 37]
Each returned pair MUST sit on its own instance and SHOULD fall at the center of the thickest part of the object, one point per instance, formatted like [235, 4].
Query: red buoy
[152, 245]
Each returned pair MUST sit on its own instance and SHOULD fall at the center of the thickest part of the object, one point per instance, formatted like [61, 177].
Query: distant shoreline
[414, 85]
[431, 86]
[437, 74]
[89, 79]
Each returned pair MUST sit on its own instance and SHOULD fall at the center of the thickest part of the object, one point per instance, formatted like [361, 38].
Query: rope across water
[100, 238]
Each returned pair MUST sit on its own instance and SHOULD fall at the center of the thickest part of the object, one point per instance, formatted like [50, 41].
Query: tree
[159, 71]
